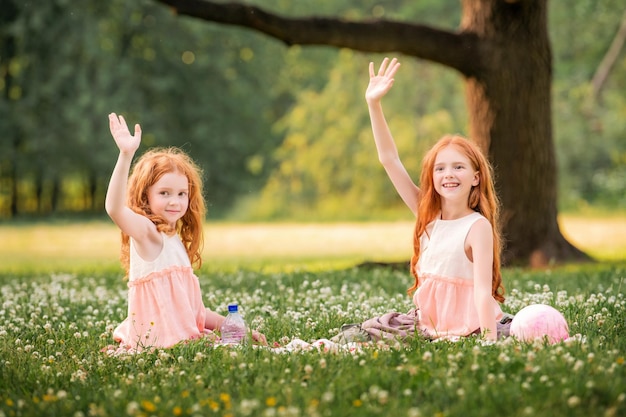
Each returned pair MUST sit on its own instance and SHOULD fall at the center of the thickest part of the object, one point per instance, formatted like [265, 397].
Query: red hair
[482, 198]
[148, 169]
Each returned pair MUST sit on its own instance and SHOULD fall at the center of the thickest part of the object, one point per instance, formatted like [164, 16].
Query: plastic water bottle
[234, 327]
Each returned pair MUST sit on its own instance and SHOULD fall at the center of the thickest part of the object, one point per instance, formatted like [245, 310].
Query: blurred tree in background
[280, 132]
[65, 65]
[590, 129]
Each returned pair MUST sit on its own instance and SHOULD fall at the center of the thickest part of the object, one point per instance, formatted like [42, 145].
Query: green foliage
[279, 131]
[53, 328]
[589, 133]
[74, 63]
[327, 165]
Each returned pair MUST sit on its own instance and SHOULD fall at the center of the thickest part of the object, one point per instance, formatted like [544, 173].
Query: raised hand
[126, 142]
[381, 83]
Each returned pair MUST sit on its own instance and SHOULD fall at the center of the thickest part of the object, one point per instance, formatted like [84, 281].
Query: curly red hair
[148, 169]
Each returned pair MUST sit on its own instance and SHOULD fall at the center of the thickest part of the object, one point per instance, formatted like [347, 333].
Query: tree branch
[444, 47]
[604, 69]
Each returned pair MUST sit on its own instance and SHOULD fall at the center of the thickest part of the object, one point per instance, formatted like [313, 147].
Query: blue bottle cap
[233, 308]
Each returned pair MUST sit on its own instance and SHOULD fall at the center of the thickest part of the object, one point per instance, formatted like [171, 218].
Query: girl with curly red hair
[160, 210]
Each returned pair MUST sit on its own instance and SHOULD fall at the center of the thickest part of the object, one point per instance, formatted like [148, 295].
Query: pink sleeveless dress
[445, 296]
[444, 300]
[164, 300]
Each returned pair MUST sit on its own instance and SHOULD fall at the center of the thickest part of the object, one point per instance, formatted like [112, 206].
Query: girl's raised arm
[388, 156]
[131, 223]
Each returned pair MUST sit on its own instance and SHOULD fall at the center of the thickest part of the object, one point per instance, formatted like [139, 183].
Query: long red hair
[148, 169]
[482, 198]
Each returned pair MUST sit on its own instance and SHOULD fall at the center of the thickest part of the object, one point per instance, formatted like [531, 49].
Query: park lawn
[62, 295]
[53, 327]
[266, 246]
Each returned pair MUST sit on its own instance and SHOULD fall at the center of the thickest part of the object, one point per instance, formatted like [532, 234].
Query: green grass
[53, 327]
[62, 294]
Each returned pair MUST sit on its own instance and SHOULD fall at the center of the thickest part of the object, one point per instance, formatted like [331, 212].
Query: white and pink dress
[444, 300]
[164, 299]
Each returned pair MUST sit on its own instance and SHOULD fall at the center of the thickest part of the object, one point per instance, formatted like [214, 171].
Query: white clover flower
[383, 397]
[328, 396]
[503, 358]
[578, 365]
[414, 412]
[132, 408]
[573, 401]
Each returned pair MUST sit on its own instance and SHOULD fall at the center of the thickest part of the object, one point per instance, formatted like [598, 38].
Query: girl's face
[169, 197]
[454, 174]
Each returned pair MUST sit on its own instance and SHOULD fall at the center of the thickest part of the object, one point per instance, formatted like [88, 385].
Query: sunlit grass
[62, 294]
[604, 238]
[53, 327]
[265, 246]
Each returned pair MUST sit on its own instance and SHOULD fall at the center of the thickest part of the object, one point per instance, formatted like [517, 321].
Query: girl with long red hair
[456, 243]
[160, 210]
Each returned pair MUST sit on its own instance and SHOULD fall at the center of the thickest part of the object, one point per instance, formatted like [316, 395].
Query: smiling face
[169, 197]
[454, 175]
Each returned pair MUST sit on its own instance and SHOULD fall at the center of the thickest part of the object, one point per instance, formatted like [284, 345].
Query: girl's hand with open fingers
[381, 83]
[126, 142]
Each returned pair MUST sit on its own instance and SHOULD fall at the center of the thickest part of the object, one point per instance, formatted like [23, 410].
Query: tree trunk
[39, 185]
[14, 204]
[93, 191]
[55, 194]
[509, 105]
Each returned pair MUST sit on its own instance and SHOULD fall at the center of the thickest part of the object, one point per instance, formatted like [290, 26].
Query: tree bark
[503, 51]
[39, 185]
[55, 194]
[510, 110]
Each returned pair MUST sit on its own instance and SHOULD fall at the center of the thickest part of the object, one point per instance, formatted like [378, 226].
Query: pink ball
[537, 321]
